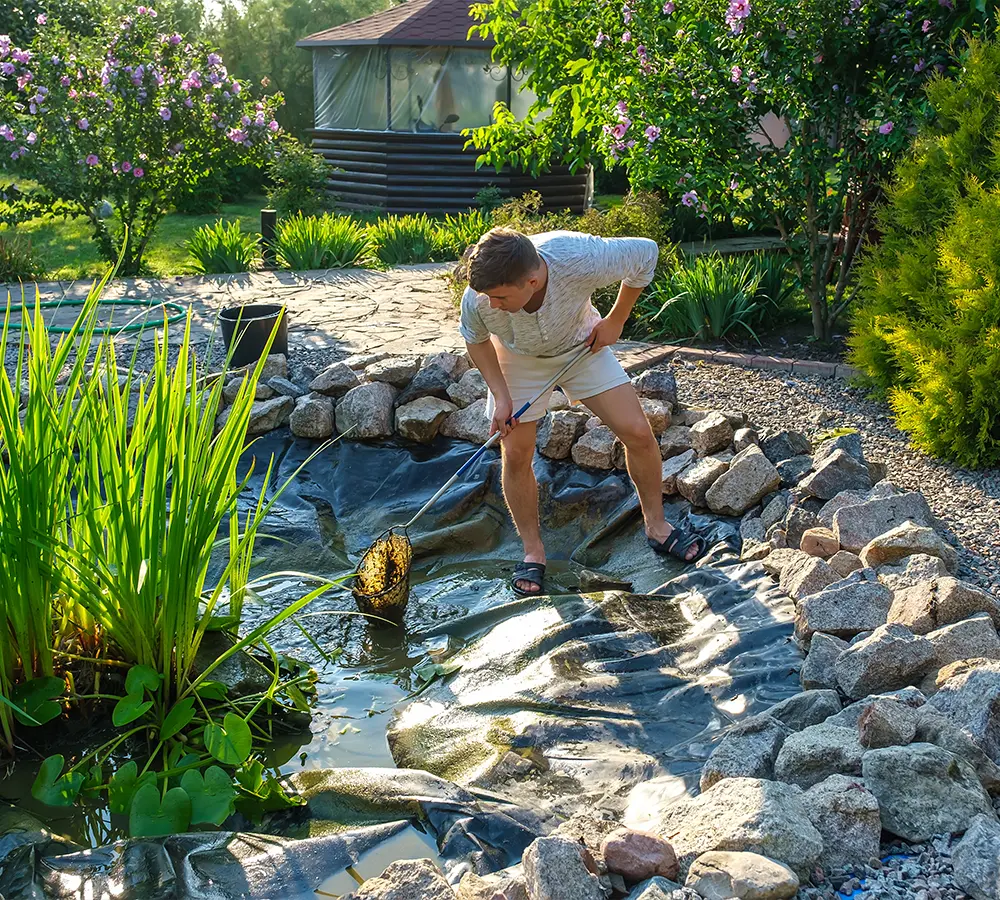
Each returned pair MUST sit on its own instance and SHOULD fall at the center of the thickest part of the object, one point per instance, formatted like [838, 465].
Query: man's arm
[632, 261]
[484, 356]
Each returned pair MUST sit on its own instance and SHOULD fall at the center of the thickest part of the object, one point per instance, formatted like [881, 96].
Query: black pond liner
[616, 686]
[246, 330]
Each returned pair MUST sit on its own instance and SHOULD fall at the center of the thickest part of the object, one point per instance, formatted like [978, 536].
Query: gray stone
[846, 814]
[806, 576]
[361, 361]
[312, 417]
[887, 723]
[507, 883]
[671, 468]
[743, 438]
[923, 790]
[904, 540]
[468, 389]
[775, 511]
[818, 672]
[811, 707]
[858, 525]
[693, 483]
[750, 477]
[432, 381]
[454, 365]
[935, 728]
[792, 471]
[809, 756]
[595, 449]
[408, 879]
[590, 830]
[941, 601]
[275, 366]
[846, 608]
[266, 415]
[421, 419]
[748, 749]
[819, 542]
[752, 531]
[675, 441]
[712, 434]
[843, 562]
[657, 414]
[554, 869]
[892, 657]
[844, 498]
[395, 370]
[784, 445]
[655, 889]
[335, 380]
[850, 716]
[975, 637]
[977, 860]
[231, 389]
[285, 387]
[970, 698]
[657, 384]
[911, 571]
[718, 875]
[798, 521]
[849, 443]
[468, 424]
[838, 472]
[558, 432]
[638, 855]
[746, 815]
[365, 412]
[558, 400]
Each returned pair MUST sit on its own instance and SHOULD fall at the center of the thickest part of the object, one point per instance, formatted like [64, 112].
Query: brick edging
[636, 361]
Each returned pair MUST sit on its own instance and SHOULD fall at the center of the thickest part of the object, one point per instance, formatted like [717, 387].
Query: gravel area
[968, 502]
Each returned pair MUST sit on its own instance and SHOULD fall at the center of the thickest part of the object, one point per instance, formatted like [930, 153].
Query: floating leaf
[263, 792]
[212, 796]
[35, 701]
[123, 785]
[54, 789]
[178, 718]
[230, 743]
[94, 781]
[427, 670]
[140, 678]
[149, 816]
[130, 708]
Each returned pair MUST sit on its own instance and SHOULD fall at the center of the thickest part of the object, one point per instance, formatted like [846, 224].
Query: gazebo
[393, 92]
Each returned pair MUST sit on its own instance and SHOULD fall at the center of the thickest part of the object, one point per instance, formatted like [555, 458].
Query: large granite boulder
[749, 478]
[366, 412]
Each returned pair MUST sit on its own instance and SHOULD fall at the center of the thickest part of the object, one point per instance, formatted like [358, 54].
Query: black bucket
[255, 322]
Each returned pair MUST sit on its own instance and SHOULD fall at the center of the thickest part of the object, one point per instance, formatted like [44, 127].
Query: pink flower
[622, 108]
[141, 10]
[737, 74]
[72, 94]
[8, 68]
[652, 133]
[737, 12]
[236, 135]
[690, 198]
[92, 159]
[165, 114]
[41, 19]
[175, 39]
[189, 103]
[626, 37]
[31, 137]
[126, 166]
[138, 173]
[273, 126]
[618, 131]
[214, 59]
[733, 185]
[668, 8]
[64, 81]
[885, 128]
[626, 14]
[926, 26]
[83, 124]
[235, 87]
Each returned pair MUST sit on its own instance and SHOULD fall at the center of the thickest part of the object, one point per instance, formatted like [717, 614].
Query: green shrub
[298, 178]
[489, 198]
[457, 233]
[18, 261]
[222, 248]
[927, 330]
[323, 242]
[404, 240]
[525, 214]
[639, 215]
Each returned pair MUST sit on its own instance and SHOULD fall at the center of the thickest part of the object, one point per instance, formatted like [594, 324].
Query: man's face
[513, 297]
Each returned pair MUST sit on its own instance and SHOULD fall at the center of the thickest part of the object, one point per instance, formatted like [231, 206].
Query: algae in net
[382, 583]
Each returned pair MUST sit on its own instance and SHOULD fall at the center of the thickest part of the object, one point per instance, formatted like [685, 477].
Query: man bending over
[526, 311]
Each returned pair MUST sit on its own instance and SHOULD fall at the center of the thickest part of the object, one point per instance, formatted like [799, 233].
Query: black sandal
[678, 544]
[533, 573]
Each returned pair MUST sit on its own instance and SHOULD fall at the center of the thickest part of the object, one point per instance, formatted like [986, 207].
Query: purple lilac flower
[920, 65]
[626, 37]
[92, 159]
[737, 12]
[126, 166]
[885, 127]
[41, 18]
[21, 56]
[214, 59]
[926, 26]
[8, 68]
[690, 198]
[947, 4]
[165, 114]
[626, 14]
[22, 82]
[236, 135]
[189, 103]
[652, 133]
[734, 185]
[6, 132]
[618, 131]
[235, 88]
[668, 8]
[138, 173]
[72, 94]
[175, 39]
[273, 126]
[31, 137]
[141, 10]
[737, 74]
[83, 124]
[245, 120]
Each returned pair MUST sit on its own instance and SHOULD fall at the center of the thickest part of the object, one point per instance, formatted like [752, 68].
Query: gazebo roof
[415, 23]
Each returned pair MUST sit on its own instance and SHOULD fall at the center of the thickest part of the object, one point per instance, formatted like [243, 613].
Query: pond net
[382, 582]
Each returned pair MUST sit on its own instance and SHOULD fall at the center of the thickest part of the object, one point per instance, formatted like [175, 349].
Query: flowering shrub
[680, 92]
[129, 117]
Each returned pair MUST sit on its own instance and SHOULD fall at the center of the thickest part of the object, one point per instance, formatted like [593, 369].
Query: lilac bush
[130, 117]
[676, 92]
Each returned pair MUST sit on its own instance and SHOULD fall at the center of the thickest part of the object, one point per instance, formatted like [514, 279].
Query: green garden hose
[179, 313]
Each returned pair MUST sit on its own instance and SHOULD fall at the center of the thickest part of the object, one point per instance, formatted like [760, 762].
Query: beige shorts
[527, 375]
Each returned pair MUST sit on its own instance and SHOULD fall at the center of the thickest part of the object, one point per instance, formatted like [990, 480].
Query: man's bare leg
[620, 410]
[520, 490]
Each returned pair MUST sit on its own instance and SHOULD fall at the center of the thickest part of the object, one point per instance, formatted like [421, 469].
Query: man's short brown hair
[501, 256]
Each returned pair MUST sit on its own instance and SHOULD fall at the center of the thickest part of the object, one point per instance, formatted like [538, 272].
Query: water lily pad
[211, 690]
[35, 701]
[54, 789]
[177, 719]
[130, 708]
[212, 795]
[151, 816]
[123, 785]
[141, 678]
[230, 743]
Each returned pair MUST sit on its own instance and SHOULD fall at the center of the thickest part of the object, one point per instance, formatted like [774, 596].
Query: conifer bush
[927, 330]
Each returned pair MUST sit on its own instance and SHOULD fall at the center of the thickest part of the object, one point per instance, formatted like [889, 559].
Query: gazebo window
[350, 87]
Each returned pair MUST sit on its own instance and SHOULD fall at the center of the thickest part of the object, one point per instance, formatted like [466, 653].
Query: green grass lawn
[67, 250]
